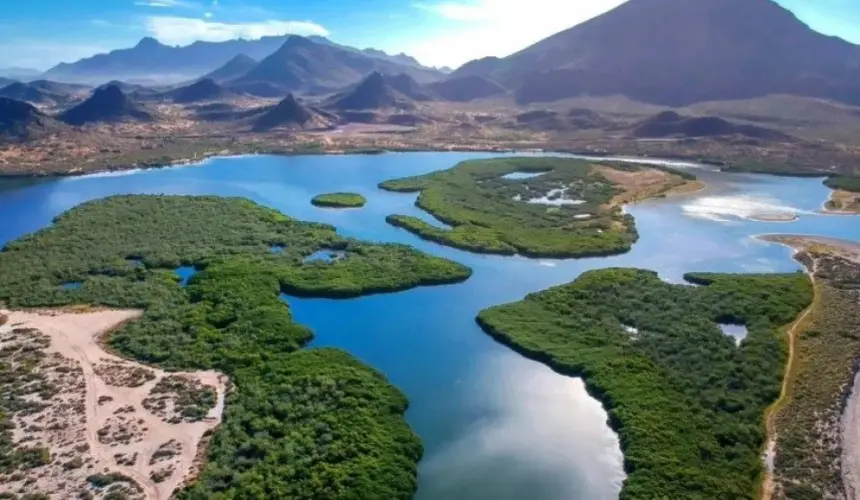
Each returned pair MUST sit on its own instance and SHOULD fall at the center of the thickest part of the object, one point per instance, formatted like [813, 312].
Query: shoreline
[840, 196]
[849, 416]
[667, 160]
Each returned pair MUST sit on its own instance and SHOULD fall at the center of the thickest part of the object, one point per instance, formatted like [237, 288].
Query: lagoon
[494, 424]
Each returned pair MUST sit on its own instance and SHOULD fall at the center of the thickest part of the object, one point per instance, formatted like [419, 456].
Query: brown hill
[373, 92]
[204, 90]
[678, 52]
[467, 88]
[236, 67]
[20, 121]
[409, 87]
[291, 114]
[108, 104]
[670, 124]
[554, 121]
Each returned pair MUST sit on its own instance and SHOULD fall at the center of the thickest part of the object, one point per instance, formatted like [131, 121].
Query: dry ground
[110, 415]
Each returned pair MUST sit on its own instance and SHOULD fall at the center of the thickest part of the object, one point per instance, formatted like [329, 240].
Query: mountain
[401, 58]
[302, 64]
[108, 104]
[670, 124]
[678, 52]
[23, 92]
[410, 88]
[204, 90]
[234, 68]
[20, 121]
[467, 88]
[373, 92]
[42, 92]
[155, 62]
[289, 113]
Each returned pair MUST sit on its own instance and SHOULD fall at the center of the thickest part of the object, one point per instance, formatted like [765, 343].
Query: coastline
[841, 198]
[804, 247]
[253, 150]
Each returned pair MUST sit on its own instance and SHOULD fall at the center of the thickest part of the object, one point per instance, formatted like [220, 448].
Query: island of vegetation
[815, 426]
[298, 424]
[686, 400]
[845, 198]
[538, 207]
[339, 200]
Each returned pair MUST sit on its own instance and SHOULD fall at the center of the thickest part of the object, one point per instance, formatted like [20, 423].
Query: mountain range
[678, 52]
[302, 64]
[153, 62]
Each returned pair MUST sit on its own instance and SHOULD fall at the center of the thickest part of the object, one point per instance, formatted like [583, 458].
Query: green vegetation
[685, 400]
[314, 424]
[808, 450]
[339, 200]
[851, 184]
[580, 214]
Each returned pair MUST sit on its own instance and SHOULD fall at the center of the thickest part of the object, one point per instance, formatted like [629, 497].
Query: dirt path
[850, 423]
[128, 427]
[784, 394]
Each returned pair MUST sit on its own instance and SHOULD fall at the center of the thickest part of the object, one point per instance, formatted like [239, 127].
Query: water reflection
[529, 443]
[494, 425]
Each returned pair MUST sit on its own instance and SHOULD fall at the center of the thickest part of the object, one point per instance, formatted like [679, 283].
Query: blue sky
[41, 33]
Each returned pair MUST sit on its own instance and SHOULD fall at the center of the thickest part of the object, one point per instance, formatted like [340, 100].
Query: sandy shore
[844, 248]
[107, 417]
[849, 429]
[842, 203]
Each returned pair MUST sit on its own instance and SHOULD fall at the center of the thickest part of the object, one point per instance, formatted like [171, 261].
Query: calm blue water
[325, 255]
[185, 273]
[494, 424]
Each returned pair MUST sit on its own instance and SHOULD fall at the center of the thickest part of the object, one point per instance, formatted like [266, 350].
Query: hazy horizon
[44, 33]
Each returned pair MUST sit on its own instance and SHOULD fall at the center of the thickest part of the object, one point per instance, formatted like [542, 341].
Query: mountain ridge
[679, 52]
[154, 62]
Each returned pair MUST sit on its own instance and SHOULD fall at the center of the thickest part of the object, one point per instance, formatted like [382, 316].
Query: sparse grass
[809, 447]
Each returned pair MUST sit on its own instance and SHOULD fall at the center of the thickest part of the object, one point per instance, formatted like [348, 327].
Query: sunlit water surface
[494, 424]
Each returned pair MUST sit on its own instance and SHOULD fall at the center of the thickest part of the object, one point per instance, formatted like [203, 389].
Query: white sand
[75, 337]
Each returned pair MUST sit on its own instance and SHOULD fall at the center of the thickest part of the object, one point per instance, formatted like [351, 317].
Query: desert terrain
[98, 423]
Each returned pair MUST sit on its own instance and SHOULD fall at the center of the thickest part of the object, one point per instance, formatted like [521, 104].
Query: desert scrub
[339, 200]
[686, 401]
[303, 423]
[808, 446]
[538, 207]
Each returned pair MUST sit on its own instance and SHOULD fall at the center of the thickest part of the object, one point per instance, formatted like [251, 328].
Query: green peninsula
[687, 402]
[299, 424]
[538, 207]
[339, 200]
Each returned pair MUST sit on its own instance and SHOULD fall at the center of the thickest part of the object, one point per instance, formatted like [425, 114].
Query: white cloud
[480, 28]
[185, 30]
[207, 15]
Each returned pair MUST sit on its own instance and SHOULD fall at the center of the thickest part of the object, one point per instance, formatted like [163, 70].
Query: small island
[845, 198]
[686, 398]
[294, 420]
[538, 207]
[339, 200]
